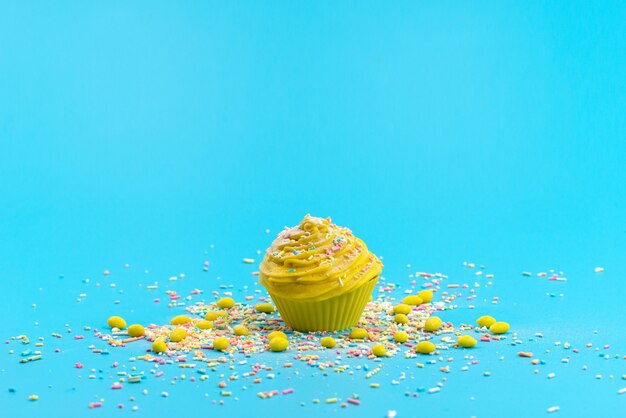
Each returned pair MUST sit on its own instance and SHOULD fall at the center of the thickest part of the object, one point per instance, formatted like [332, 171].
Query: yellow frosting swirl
[317, 260]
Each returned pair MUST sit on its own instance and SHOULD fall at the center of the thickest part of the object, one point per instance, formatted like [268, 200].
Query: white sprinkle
[340, 282]
[621, 391]
[553, 409]
[551, 375]
[434, 390]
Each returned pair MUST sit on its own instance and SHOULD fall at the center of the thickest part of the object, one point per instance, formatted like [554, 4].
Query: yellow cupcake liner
[334, 314]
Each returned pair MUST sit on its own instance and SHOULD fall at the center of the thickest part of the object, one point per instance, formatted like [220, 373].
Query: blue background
[440, 132]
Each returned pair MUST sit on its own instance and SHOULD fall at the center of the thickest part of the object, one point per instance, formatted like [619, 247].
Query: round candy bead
[221, 343]
[466, 341]
[433, 323]
[400, 337]
[486, 321]
[204, 324]
[240, 330]
[116, 322]
[402, 309]
[413, 300]
[275, 334]
[425, 347]
[426, 295]
[136, 330]
[213, 315]
[401, 319]
[278, 344]
[178, 334]
[328, 342]
[180, 319]
[379, 350]
[499, 327]
[264, 307]
[226, 303]
[358, 333]
[158, 346]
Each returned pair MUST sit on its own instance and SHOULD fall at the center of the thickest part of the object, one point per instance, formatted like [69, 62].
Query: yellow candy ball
[221, 343]
[178, 334]
[226, 303]
[358, 333]
[328, 342]
[433, 324]
[136, 330]
[213, 315]
[158, 346]
[425, 347]
[379, 350]
[278, 344]
[116, 322]
[180, 319]
[466, 341]
[402, 309]
[401, 319]
[204, 324]
[400, 337]
[264, 307]
[486, 321]
[275, 334]
[426, 295]
[413, 300]
[240, 330]
[499, 327]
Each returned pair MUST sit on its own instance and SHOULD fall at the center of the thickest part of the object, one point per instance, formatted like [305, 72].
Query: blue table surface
[164, 135]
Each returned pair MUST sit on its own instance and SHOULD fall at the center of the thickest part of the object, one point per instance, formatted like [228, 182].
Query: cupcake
[319, 275]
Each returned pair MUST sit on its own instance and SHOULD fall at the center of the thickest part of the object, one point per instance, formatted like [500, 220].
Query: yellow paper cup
[334, 314]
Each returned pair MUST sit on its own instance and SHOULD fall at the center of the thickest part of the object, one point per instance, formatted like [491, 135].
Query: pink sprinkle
[78, 337]
[287, 391]
[159, 374]
[115, 364]
[93, 405]
[120, 406]
[116, 385]
[106, 272]
[354, 401]
[79, 365]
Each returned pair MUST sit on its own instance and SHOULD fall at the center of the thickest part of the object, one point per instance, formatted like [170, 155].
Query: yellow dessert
[319, 275]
